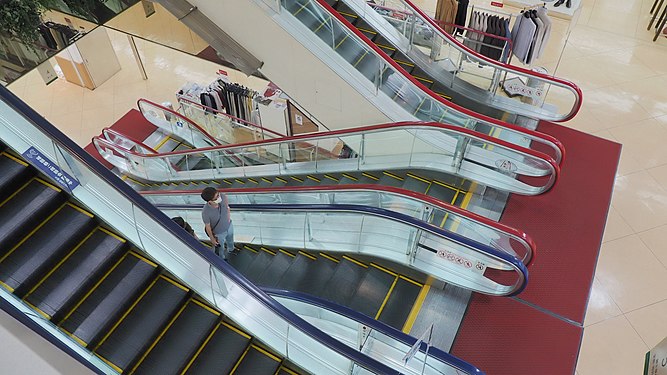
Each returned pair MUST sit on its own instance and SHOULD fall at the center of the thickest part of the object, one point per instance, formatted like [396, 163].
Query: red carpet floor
[542, 335]
[132, 124]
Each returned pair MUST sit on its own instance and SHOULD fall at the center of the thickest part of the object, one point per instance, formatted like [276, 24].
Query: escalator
[407, 147]
[441, 64]
[318, 31]
[99, 289]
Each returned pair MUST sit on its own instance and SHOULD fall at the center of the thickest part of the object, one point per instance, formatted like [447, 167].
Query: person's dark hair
[208, 193]
[183, 224]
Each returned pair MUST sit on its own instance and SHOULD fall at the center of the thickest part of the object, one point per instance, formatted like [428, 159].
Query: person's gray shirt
[218, 215]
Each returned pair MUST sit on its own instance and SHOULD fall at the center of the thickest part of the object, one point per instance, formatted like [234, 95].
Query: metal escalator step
[303, 11]
[409, 67]
[257, 361]
[390, 181]
[275, 271]
[22, 212]
[372, 291]
[344, 282]
[242, 260]
[414, 184]
[349, 49]
[421, 75]
[221, 353]
[443, 193]
[25, 265]
[76, 275]
[399, 304]
[138, 328]
[441, 89]
[109, 299]
[181, 341]
[14, 173]
[365, 27]
[342, 7]
[307, 275]
[262, 260]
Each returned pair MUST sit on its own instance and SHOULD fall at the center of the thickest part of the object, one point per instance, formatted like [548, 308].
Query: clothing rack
[660, 24]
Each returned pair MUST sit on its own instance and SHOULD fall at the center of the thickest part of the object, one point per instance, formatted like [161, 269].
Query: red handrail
[383, 188]
[202, 131]
[545, 77]
[210, 109]
[433, 95]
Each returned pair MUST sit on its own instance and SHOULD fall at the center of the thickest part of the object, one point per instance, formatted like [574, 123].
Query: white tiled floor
[609, 54]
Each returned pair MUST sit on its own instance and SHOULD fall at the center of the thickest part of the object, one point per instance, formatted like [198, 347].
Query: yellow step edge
[369, 176]
[80, 209]
[422, 179]
[266, 353]
[76, 306]
[444, 219]
[143, 258]
[307, 255]
[329, 257]
[322, 24]
[206, 307]
[469, 194]
[423, 79]
[176, 284]
[360, 58]
[118, 369]
[384, 269]
[42, 313]
[384, 46]
[250, 248]
[17, 191]
[368, 31]
[296, 178]
[313, 178]
[420, 106]
[194, 182]
[404, 62]
[410, 280]
[78, 340]
[239, 181]
[162, 142]
[11, 290]
[281, 179]
[456, 195]
[290, 372]
[267, 180]
[348, 14]
[354, 261]
[386, 298]
[267, 250]
[331, 177]
[341, 42]
[240, 359]
[229, 326]
[114, 235]
[201, 347]
[287, 253]
[393, 175]
[159, 337]
[350, 177]
[428, 187]
[253, 180]
[48, 184]
[228, 182]
[215, 182]
[300, 9]
[126, 313]
[54, 268]
[444, 185]
[14, 158]
[416, 308]
[35, 229]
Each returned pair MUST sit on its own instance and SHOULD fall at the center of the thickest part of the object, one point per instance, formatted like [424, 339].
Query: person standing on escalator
[218, 221]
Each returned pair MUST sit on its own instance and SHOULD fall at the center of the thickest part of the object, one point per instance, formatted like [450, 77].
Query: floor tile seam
[549, 312]
[664, 266]
[634, 231]
[637, 332]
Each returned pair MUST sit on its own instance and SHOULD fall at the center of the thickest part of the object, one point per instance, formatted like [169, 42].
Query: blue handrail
[392, 215]
[375, 325]
[139, 201]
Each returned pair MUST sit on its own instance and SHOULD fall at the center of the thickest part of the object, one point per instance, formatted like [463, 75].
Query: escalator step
[257, 361]
[391, 181]
[414, 184]
[307, 275]
[21, 213]
[242, 260]
[257, 267]
[26, 264]
[181, 341]
[349, 49]
[344, 282]
[221, 353]
[399, 304]
[74, 277]
[303, 11]
[342, 7]
[146, 319]
[275, 271]
[441, 89]
[109, 299]
[14, 174]
[409, 67]
[443, 193]
[368, 65]
[372, 291]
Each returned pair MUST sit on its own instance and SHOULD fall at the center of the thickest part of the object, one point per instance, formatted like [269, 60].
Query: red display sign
[497, 4]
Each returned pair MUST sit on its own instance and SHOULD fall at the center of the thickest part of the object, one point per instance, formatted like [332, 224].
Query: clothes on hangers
[445, 12]
[530, 34]
[484, 36]
[461, 14]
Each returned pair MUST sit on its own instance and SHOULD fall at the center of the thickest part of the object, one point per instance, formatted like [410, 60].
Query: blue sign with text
[50, 168]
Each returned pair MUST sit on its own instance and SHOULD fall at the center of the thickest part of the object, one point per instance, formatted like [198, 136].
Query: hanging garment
[445, 12]
[536, 37]
[542, 14]
[461, 13]
[523, 33]
[470, 39]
